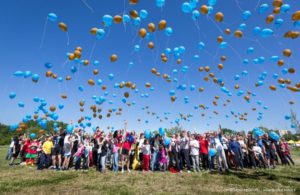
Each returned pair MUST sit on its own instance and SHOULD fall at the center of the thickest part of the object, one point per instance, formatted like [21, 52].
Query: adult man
[184, 152]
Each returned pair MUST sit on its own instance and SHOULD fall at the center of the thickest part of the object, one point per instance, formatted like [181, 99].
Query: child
[146, 150]
[78, 155]
[162, 158]
[67, 153]
[115, 152]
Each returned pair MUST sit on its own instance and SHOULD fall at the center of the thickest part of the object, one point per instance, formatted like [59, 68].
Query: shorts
[68, 155]
[125, 152]
[56, 151]
[31, 155]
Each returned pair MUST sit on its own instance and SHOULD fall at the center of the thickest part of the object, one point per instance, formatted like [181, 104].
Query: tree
[173, 130]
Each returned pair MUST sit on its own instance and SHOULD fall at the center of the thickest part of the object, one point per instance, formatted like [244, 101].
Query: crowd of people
[124, 150]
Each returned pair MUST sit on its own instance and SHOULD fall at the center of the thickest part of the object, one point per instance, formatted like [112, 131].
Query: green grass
[21, 180]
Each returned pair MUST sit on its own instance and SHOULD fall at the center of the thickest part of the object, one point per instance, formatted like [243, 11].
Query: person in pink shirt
[162, 158]
[286, 152]
[78, 155]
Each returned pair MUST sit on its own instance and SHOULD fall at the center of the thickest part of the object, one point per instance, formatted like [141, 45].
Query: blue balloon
[21, 104]
[195, 15]
[201, 45]
[60, 79]
[167, 141]
[223, 45]
[100, 33]
[266, 32]
[108, 20]
[32, 135]
[278, 22]
[35, 77]
[212, 152]
[284, 71]
[246, 15]
[192, 87]
[212, 2]
[80, 88]
[137, 21]
[210, 9]
[69, 129]
[287, 117]
[27, 74]
[168, 31]
[13, 127]
[61, 106]
[256, 30]
[99, 82]
[18, 74]
[258, 132]
[237, 77]
[160, 3]
[285, 8]
[136, 48]
[275, 76]
[161, 131]
[126, 18]
[186, 7]
[111, 76]
[263, 8]
[274, 136]
[143, 14]
[48, 65]
[52, 17]
[12, 95]
[242, 26]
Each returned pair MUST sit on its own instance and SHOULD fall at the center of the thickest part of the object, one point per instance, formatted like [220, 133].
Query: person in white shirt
[221, 157]
[258, 154]
[10, 150]
[194, 152]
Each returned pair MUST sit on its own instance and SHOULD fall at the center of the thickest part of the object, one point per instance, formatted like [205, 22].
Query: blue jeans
[9, 153]
[116, 162]
[102, 163]
[211, 162]
[154, 160]
[77, 162]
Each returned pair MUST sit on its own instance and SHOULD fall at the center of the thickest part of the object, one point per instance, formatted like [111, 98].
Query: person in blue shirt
[236, 151]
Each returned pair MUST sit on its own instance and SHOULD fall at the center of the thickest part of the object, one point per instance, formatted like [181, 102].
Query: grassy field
[21, 180]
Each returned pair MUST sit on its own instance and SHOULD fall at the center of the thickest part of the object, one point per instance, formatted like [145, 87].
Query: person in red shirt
[204, 151]
[24, 149]
[127, 142]
[286, 152]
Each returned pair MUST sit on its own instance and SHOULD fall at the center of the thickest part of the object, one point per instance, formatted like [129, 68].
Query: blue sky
[22, 27]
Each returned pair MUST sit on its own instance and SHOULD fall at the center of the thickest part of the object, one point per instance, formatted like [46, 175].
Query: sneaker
[188, 171]
[122, 170]
[129, 171]
[180, 171]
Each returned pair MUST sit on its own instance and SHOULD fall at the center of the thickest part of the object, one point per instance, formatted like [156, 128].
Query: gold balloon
[93, 30]
[296, 16]
[293, 88]
[212, 75]
[277, 3]
[126, 94]
[91, 82]
[238, 33]
[117, 19]
[113, 58]
[153, 70]
[270, 19]
[128, 84]
[298, 84]
[273, 87]
[133, 2]
[206, 78]
[223, 58]
[142, 32]
[200, 68]
[103, 87]
[179, 61]
[79, 48]
[207, 68]
[162, 24]
[148, 85]
[287, 52]
[276, 10]
[81, 103]
[95, 71]
[68, 78]
[77, 54]
[219, 17]
[288, 81]
[292, 34]
[204, 9]
[151, 45]
[227, 31]
[236, 86]
[64, 96]
[63, 27]
[173, 98]
[201, 89]
[291, 70]
[49, 73]
[280, 62]
[151, 27]
[280, 80]
[54, 76]
[220, 39]
[133, 14]
[71, 56]
[220, 66]
[86, 62]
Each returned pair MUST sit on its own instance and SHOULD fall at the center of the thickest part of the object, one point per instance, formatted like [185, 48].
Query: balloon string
[88, 6]
[92, 51]
[216, 25]
[44, 33]
[238, 5]
[68, 38]
[257, 5]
